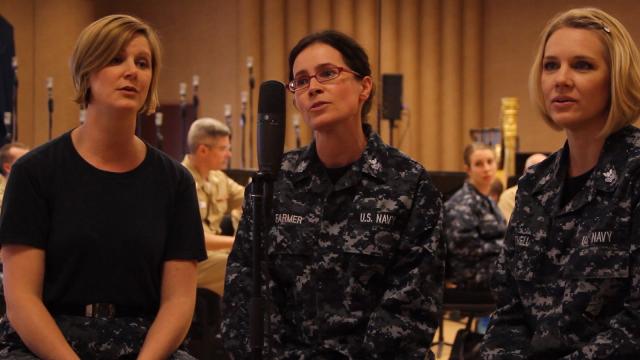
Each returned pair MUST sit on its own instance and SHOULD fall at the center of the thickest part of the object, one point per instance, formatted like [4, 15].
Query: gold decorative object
[509, 120]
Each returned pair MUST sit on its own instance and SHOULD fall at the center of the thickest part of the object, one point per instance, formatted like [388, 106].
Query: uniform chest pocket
[527, 256]
[367, 249]
[597, 263]
[525, 263]
[291, 239]
[370, 240]
[290, 250]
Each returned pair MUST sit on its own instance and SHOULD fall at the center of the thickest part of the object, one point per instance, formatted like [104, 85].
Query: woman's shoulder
[47, 155]
[627, 140]
[165, 165]
[464, 196]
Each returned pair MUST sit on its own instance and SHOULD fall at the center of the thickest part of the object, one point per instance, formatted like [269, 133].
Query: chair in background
[205, 339]
[469, 303]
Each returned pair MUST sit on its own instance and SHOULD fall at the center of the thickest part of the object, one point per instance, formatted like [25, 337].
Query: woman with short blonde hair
[100, 231]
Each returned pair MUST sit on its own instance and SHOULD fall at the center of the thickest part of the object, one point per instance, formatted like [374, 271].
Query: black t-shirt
[336, 173]
[572, 185]
[105, 235]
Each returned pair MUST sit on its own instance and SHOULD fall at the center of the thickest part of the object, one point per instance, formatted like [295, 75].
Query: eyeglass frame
[340, 69]
[216, 147]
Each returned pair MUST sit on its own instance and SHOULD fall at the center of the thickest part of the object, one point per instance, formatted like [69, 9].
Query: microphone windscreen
[271, 125]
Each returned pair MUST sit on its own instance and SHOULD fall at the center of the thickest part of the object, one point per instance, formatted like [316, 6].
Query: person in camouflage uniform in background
[354, 258]
[473, 225]
[568, 281]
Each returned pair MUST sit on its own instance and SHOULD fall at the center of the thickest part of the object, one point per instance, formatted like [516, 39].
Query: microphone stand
[183, 115]
[243, 122]
[14, 123]
[50, 104]
[159, 137]
[7, 126]
[139, 120]
[296, 129]
[252, 85]
[227, 120]
[82, 116]
[196, 100]
[262, 199]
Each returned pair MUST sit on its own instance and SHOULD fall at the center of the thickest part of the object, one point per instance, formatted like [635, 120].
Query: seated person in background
[473, 225]
[209, 143]
[100, 231]
[9, 153]
[508, 198]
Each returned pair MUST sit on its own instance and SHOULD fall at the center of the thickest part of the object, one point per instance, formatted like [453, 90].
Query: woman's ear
[367, 86]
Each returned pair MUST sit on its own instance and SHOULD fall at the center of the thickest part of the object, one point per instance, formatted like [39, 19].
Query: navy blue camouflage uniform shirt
[474, 229]
[568, 282]
[355, 269]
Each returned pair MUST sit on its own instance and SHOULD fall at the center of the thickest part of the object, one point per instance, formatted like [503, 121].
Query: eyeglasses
[323, 75]
[217, 147]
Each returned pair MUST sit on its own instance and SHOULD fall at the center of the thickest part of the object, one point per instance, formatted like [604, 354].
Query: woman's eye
[327, 73]
[582, 65]
[142, 63]
[550, 66]
[116, 60]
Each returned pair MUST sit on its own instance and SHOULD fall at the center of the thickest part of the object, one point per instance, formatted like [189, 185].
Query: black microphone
[50, 104]
[8, 126]
[271, 125]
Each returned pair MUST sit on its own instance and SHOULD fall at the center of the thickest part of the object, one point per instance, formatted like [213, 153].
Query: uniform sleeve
[185, 238]
[237, 289]
[236, 198]
[508, 336]
[403, 324]
[621, 337]
[25, 216]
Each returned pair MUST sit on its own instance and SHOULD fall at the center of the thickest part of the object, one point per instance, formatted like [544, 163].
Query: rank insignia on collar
[610, 176]
[375, 165]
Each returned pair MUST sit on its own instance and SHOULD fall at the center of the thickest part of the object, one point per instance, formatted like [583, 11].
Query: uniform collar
[186, 162]
[372, 162]
[605, 177]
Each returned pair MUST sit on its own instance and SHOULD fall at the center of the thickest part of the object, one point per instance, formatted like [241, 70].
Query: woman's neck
[340, 146]
[107, 140]
[481, 188]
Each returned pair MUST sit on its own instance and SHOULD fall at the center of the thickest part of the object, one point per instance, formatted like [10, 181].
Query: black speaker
[391, 96]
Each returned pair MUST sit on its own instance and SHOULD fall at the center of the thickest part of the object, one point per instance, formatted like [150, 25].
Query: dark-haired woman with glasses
[355, 257]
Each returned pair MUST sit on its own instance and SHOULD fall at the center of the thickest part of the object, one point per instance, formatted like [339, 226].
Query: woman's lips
[318, 105]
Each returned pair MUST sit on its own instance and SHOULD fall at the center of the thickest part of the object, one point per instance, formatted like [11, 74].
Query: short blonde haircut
[100, 42]
[621, 56]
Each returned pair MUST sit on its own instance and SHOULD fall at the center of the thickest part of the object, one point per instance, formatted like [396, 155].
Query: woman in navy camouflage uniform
[473, 224]
[355, 264]
[568, 281]
[100, 232]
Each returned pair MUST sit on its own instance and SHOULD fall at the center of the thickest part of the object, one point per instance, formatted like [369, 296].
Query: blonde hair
[621, 56]
[100, 42]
